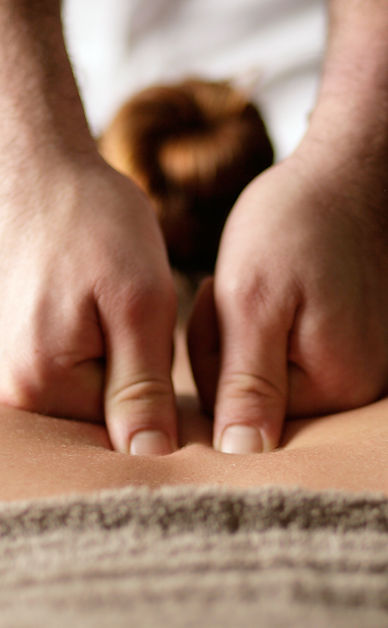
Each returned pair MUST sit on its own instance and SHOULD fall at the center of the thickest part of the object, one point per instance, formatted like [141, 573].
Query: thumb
[140, 407]
[252, 386]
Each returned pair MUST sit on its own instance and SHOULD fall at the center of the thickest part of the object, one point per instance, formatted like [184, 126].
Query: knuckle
[21, 390]
[348, 385]
[148, 297]
[244, 293]
[361, 393]
[143, 295]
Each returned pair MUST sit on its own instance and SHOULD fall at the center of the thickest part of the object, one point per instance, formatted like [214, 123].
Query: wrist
[353, 96]
[40, 108]
[357, 49]
[349, 125]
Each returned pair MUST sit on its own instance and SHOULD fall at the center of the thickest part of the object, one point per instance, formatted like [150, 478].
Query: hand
[88, 304]
[300, 301]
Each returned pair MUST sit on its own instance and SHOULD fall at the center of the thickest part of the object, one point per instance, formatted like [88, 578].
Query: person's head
[193, 147]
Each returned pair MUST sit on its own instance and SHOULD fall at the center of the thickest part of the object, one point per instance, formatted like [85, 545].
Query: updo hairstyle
[192, 147]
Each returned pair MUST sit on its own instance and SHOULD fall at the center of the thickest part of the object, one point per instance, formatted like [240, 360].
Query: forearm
[353, 98]
[356, 59]
[40, 107]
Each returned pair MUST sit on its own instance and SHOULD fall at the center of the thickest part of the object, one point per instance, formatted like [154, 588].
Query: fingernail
[241, 439]
[150, 443]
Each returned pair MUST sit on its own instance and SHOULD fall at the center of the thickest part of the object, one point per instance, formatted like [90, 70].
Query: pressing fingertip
[242, 439]
[150, 443]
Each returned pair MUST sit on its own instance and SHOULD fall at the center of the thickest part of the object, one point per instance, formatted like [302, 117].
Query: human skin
[88, 301]
[88, 305]
[300, 297]
[44, 456]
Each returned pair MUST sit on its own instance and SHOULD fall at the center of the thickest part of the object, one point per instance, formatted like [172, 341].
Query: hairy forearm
[39, 105]
[354, 85]
[357, 48]
[349, 124]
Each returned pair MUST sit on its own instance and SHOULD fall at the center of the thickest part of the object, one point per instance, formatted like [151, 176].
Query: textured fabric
[195, 557]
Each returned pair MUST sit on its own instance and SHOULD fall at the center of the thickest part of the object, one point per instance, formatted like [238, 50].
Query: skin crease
[42, 456]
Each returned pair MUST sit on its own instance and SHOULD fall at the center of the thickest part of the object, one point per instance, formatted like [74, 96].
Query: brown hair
[192, 147]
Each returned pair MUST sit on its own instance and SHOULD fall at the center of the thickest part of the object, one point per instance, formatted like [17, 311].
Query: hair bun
[193, 147]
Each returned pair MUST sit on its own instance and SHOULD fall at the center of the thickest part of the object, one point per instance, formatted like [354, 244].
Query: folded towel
[189, 556]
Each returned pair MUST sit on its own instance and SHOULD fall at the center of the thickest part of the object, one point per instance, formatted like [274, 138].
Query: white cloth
[273, 47]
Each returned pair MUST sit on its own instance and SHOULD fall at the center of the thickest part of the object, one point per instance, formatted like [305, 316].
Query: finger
[252, 387]
[139, 401]
[203, 344]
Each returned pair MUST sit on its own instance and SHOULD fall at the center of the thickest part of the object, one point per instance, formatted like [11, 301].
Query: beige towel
[195, 557]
